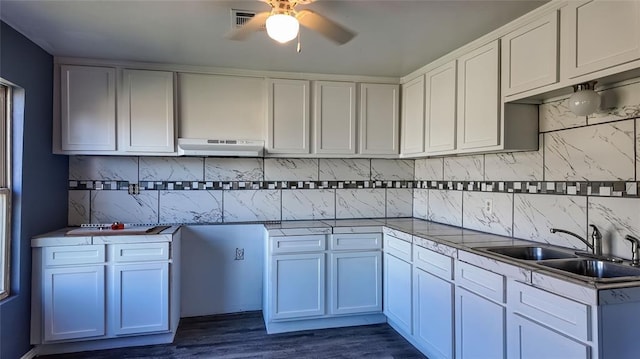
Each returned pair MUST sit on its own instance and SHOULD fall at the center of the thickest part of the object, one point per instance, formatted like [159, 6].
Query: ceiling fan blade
[330, 29]
[251, 26]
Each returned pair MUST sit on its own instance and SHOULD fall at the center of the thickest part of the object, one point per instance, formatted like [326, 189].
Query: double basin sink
[568, 263]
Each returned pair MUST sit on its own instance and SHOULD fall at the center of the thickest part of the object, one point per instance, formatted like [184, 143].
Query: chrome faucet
[596, 239]
[635, 251]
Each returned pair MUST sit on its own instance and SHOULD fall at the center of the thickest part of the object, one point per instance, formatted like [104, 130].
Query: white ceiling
[395, 37]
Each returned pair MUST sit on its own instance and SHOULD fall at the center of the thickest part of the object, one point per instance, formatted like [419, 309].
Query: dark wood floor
[244, 336]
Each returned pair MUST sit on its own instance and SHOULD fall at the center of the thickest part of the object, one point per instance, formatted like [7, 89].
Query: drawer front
[554, 311]
[297, 244]
[66, 255]
[480, 281]
[399, 248]
[432, 262]
[140, 252]
[355, 241]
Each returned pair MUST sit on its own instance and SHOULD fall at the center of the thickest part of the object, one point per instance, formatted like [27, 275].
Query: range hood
[207, 147]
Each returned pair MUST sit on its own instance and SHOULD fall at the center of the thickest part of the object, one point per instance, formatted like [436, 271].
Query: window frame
[5, 190]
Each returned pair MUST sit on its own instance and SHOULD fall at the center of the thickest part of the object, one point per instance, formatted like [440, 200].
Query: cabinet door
[479, 98]
[147, 111]
[480, 327]
[140, 298]
[433, 314]
[334, 117]
[379, 124]
[530, 340]
[440, 109]
[599, 34]
[413, 117]
[397, 292]
[221, 107]
[356, 282]
[297, 286]
[530, 56]
[288, 116]
[88, 108]
[73, 302]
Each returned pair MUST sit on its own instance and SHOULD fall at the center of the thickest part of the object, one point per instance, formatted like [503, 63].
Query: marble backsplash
[217, 190]
[586, 171]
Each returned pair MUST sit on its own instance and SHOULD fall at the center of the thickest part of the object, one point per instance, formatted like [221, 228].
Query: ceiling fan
[283, 23]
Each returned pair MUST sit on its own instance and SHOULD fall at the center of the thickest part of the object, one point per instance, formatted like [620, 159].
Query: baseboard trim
[107, 343]
[30, 354]
[324, 323]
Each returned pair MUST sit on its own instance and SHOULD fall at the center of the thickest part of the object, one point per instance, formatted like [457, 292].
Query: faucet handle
[635, 242]
[635, 254]
[596, 233]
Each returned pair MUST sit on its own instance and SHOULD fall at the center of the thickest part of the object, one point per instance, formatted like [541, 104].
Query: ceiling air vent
[240, 17]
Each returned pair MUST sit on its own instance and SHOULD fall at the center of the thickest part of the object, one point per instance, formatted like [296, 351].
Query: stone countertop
[466, 245]
[296, 228]
[59, 238]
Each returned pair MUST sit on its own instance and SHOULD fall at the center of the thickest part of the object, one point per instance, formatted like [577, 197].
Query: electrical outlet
[488, 206]
[239, 254]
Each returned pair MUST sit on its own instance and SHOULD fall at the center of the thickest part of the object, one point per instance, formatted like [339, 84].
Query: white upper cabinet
[599, 34]
[413, 117]
[88, 108]
[146, 105]
[379, 124]
[530, 56]
[440, 109]
[334, 117]
[479, 98]
[221, 107]
[88, 123]
[288, 116]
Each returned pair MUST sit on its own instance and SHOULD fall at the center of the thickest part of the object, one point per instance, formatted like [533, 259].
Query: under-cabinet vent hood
[234, 148]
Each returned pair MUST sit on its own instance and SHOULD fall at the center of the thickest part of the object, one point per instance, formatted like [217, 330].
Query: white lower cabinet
[397, 289]
[312, 284]
[140, 298]
[297, 285]
[433, 303]
[480, 313]
[531, 340]
[433, 314]
[107, 295]
[356, 283]
[73, 302]
[537, 316]
[480, 326]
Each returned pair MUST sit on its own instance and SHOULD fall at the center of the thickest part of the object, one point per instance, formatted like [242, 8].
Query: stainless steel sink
[530, 253]
[593, 268]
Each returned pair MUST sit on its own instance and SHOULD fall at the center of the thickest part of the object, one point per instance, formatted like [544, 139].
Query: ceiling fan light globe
[282, 27]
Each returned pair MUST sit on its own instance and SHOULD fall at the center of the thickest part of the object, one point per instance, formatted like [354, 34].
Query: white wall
[212, 280]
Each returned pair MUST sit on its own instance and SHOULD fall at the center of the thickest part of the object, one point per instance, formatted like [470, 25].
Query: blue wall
[39, 179]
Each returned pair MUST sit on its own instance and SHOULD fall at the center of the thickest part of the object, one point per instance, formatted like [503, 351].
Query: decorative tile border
[99, 185]
[596, 188]
[237, 185]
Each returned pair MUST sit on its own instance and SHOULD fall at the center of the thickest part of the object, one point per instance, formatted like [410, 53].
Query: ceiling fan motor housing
[282, 7]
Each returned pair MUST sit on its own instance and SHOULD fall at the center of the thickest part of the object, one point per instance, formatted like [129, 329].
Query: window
[5, 193]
